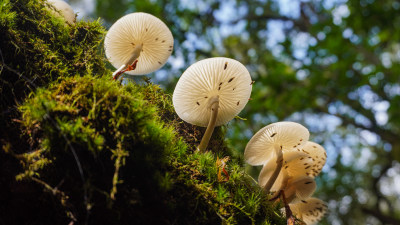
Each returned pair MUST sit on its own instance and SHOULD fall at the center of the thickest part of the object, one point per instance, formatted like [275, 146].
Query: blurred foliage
[331, 65]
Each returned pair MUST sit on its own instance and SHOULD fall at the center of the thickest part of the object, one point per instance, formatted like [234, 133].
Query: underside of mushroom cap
[310, 210]
[289, 135]
[203, 81]
[300, 188]
[139, 29]
[64, 9]
[293, 166]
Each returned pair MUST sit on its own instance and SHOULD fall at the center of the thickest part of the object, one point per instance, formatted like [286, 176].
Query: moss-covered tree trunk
[79, 147]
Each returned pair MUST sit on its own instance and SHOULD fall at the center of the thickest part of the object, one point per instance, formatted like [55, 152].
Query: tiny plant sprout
[310, 211]
[270, 143]
[63, 9]
[138, 44]
[212, 92]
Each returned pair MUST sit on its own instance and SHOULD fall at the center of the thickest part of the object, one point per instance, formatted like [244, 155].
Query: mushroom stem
[211, 124]
[279, 162]
[135, 54]
[289, 215]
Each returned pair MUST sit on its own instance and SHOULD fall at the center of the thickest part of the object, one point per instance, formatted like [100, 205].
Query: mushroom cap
[223, 77]
[64, 9]
[300, 188]
[310, 210]
[139, 29]
[289, 135]
[296, 164]
[318, 154]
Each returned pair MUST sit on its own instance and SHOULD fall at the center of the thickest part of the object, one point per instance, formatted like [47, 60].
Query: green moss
[37, 48]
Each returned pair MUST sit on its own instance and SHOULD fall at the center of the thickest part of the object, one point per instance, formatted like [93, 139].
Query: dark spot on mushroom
[198, 103]
[170, 50]
[220, 84]
[219, 88]
[159, 62]
[156, 39]
[301, 139]
[147, 29]
[226, 65]
[307, 167]
[163, 41]
[301, 158]
[303, 201]
[231, 79]
[309, 182]
[314, 146]
[205, 97]
[272, 135]
[233, 88]
[286, 167]
[170, 46]
[238, 103]
[252, 82]
[305, 164]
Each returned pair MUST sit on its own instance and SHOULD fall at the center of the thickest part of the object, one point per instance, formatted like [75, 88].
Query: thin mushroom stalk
[289, 215]
[279, 162]
[214, 102]
[130, 64]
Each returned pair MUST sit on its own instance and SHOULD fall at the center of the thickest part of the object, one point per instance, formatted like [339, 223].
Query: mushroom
[211, 92]
[310, 211]
[138, 44]
[318, 155]
[293, 180]
[62, 8]
[270, 143]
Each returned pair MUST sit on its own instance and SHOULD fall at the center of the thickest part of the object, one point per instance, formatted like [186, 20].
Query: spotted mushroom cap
[318, 155]
[139, 29]
[64, 9]
[310, 210]
[296, 164]
[300, 188]
[208, 78]
[289, 135]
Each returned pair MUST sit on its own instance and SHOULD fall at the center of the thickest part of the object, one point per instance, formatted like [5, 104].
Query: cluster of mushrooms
[212, 92]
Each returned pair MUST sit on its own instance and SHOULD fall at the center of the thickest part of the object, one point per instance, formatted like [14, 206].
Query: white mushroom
[63, 9]
[212, 92]
[310, 210]
[299, 188]
[138, 44]
[270, 143]
[295, 164]
[318, 155]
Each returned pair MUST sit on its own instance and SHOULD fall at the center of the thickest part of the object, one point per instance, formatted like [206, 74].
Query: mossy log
[80, 148]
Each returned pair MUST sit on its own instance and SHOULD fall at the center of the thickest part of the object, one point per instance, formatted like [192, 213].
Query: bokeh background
[331, 65]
